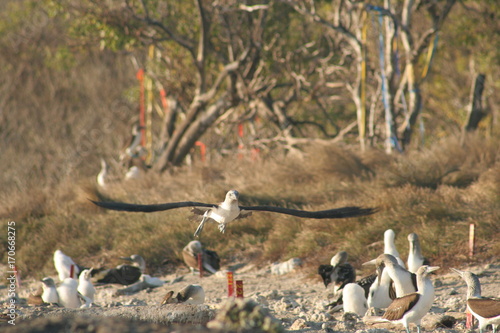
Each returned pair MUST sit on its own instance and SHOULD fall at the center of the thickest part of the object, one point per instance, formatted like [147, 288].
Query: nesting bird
[85, 286]
[354, 300]
[486, 310]
[382, 291]
[63, 265]
[122, 274]
[229, 210]
[68, 293]
[210, 259]
[404, 281]
[413, 307]
[191, 294]
[339, 272]
[49, 294]
[415, 257]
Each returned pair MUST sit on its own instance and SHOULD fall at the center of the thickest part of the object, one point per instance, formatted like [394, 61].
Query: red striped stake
[200, 264]
[164, 103]
[72, 271]
[239, 288]
[469, 322]
[203, 149]
[240, 130]
[142, 103]
[230, 284]
[471, 239]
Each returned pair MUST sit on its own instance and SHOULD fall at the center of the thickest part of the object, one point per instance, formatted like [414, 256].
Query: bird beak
[457, 271]
[126, 258]
[431, 269]
[371, 262]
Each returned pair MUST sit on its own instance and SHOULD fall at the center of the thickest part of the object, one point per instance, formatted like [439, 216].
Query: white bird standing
[390, 246]
[49, 294]
[486, 310]
[380, 294]
[85, 286]
[415, 257]
[63, 265]
[229, 210]
[354, 299]
[68, 293]
[404, 282]
[102, 177]
[413, 307]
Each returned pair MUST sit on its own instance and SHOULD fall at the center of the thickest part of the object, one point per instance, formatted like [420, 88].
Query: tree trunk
[476, 112]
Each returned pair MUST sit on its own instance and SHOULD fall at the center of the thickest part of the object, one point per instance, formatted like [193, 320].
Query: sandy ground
[294, 300]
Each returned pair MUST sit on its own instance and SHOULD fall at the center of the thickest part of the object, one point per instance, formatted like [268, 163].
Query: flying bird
[229, 210]
[486, 310]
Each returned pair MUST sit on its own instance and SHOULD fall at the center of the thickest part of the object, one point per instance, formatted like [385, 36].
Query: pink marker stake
[230, 284]
[469, 322]
[239, 288]
[200, 265]
[471, 239]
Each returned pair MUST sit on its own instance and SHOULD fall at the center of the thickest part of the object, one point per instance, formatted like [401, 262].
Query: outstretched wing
[122, 206]
[335, 213]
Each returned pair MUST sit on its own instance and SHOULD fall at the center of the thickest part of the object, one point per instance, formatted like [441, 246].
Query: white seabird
[390, 246]
[131, 148]
[134, 172]
[486, 310]
[354, 299]
[102, 177]
[68, 293]
[63, 265]
[404, 281]
[210, 259]
[49, 294]
[85, 286]
[191, 294]
[415, 257]
[229, 210]
[413, 307]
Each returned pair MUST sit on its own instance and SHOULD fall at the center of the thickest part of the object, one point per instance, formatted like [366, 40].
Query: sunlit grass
[63, 218]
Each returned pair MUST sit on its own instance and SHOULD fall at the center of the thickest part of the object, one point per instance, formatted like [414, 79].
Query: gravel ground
[296, 302]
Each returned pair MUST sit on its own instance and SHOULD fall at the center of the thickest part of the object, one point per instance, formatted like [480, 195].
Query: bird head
[325, 271]
[426, 270]
[232, 195]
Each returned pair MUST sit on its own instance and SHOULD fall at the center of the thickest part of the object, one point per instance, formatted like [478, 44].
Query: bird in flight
[229, 210]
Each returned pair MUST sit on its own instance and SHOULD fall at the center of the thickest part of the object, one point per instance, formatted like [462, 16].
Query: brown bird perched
[210, 259]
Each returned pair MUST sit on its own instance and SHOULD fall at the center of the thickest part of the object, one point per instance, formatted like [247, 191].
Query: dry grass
[440, 214]
[59, 122]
